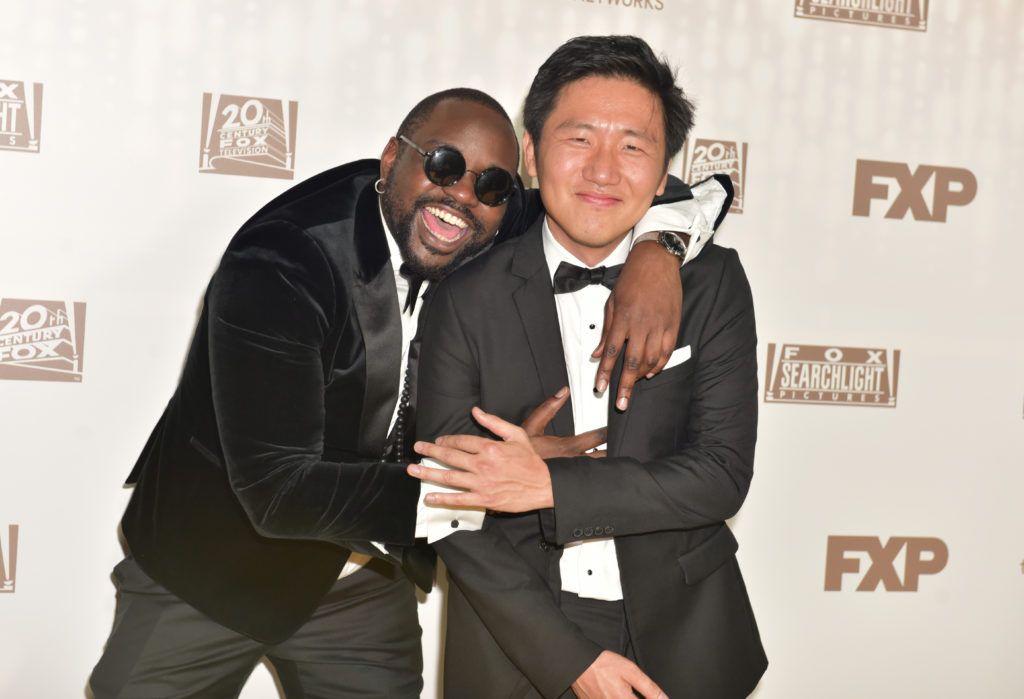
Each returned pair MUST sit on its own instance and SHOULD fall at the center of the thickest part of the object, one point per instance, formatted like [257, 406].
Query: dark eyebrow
[571, 124]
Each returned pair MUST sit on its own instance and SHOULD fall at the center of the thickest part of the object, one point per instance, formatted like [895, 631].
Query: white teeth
[448, 218]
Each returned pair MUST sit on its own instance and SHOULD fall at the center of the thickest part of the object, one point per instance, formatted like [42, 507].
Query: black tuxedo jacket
[265, 469]
[679, 463]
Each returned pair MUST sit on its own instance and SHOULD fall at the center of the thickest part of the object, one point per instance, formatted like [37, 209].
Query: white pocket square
[678, 357]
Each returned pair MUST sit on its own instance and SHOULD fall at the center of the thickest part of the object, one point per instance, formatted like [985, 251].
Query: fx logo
[882, 568]
[911, 189]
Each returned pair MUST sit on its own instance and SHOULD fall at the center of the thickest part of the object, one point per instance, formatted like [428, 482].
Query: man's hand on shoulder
[612, 676]
[644, 309]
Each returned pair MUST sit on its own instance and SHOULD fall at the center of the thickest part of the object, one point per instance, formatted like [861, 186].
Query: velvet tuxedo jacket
[265, 469]
[679, 463]
[240, 507]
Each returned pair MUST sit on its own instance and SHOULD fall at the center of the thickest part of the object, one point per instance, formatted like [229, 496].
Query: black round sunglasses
[445, 165]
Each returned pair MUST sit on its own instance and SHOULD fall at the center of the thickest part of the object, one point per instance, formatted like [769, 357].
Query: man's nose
[602, 165]
[463, 189]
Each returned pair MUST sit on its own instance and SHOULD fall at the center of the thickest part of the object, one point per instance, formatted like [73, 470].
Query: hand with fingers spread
[612, 676]
[548, 446]
[505, 476]
[641, 319]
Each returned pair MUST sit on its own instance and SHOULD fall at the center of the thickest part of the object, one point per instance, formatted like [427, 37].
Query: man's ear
[664, 183]
[388, 157]
[529, 157]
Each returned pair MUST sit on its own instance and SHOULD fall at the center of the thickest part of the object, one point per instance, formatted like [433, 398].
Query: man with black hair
[272, 515]
[619, 576]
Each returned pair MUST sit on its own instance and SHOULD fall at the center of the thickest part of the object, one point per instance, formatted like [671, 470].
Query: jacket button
[599, 530]
[609, 530]
[455, 524]
[577, 532]
[589, 531]
[543, 546]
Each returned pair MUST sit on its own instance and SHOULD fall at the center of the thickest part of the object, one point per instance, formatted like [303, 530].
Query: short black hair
[626, 57]
[415, 118]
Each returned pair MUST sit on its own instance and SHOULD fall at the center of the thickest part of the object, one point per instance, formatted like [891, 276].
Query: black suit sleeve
[707, 481]
[512, 600]
[271, 304]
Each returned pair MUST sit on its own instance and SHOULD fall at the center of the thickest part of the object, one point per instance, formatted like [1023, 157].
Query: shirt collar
[555, 253]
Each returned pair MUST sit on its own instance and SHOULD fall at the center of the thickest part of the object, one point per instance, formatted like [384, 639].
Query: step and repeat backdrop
[875, 147]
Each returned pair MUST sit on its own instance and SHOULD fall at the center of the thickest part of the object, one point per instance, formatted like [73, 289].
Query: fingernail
[602, 383]
[418, 446]
[430, 499]
[414, 469]
[650, 375]
[621, 403]
[562, 391]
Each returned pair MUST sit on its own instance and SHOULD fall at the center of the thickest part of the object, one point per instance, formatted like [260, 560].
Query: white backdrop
[113, 212]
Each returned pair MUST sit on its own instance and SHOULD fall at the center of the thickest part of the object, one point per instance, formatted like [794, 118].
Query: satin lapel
[535, 303]
[375, 298]
[413, 370]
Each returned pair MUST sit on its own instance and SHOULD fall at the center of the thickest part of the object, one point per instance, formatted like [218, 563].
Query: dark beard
[402, 226]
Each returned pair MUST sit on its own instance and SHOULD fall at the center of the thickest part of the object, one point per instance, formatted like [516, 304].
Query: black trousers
[602, 622]
[362, 641]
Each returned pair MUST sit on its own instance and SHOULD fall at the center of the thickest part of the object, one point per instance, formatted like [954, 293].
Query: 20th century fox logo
[832, 375]
[8, 558]
[21, 114]
[252, 136]
[896, 14]
[705, 157]
[41, 340]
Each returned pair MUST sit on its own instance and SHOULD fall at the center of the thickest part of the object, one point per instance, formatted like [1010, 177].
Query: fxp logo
[949, 186]
[922, 556]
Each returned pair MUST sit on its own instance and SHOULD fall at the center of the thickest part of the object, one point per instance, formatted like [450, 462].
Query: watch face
[672, 243]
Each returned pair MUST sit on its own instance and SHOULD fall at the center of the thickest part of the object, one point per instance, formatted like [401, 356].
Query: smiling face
[437, 228]
[600, 160]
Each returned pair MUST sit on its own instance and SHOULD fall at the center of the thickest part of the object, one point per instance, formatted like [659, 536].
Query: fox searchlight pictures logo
[705, 157]
[8, 558]
[41, 340]
[895, 14]
[252, 136]
[21, 115]
[832, 375]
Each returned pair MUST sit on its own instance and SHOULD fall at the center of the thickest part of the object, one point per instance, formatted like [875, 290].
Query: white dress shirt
[433, 523]
[589, 568]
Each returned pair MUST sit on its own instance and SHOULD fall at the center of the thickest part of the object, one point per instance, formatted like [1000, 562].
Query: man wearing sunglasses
[271, 514]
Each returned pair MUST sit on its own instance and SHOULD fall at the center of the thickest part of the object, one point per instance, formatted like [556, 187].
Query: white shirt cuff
[435, 523]
[695, 217]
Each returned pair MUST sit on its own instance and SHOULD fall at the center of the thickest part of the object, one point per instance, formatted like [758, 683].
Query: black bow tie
[570, 278]
[415, 282]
